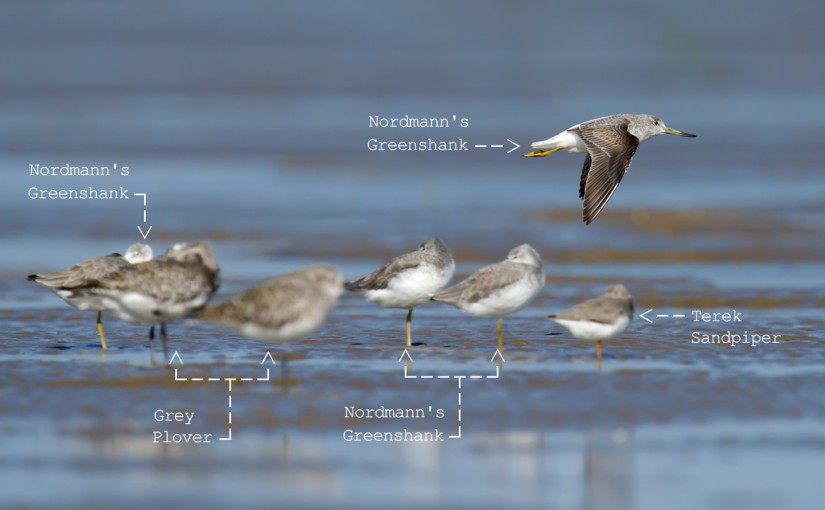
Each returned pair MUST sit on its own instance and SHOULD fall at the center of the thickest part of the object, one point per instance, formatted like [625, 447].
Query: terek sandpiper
[600, 318]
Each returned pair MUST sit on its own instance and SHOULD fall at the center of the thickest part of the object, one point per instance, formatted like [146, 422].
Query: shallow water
[248, 128]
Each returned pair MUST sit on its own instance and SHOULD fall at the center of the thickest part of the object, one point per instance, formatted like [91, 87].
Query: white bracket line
[472, 376]
[458, 436]
[228, 380]
[229, 413]
[458, 378]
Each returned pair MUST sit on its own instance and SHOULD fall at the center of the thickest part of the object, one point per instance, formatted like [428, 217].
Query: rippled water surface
[248, 127]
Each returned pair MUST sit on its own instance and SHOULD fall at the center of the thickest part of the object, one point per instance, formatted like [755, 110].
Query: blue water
[247, 126]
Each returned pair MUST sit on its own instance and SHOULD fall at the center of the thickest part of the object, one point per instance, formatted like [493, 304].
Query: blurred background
[246, 124]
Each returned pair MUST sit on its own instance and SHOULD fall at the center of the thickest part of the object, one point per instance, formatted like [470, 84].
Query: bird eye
[656, 122]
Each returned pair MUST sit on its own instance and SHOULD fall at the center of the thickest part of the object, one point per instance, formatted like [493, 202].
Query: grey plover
[283, 309]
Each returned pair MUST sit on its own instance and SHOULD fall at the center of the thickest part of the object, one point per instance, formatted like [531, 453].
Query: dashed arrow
[661, 316]
[407, 354]
[497, 146]
[142, 233]
[229, 380]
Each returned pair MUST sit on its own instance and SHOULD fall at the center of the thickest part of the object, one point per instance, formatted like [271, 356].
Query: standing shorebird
[172, 287]
[286, 308]
[600, 318]
[610, 143]
[78, 284]
[499, 289]
[410, 279]
[282, 309]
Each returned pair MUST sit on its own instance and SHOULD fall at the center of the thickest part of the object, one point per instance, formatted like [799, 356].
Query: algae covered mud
[258, 146]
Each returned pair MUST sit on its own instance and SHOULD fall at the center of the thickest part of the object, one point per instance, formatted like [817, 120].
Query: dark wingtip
[33, 277]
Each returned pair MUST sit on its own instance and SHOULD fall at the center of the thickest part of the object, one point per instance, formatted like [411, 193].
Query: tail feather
[354, 286]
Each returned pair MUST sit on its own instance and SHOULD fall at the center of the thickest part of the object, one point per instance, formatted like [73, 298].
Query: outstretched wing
[610, 149]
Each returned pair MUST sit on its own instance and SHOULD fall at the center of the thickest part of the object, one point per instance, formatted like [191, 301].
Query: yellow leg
[409, 326]
[498, 333]
[100, 330]
[541, 154]
[599, 355]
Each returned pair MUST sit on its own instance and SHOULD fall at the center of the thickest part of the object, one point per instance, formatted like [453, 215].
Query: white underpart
[138, 308]
[412, 287]
[87, 301]
[507, 300]
[592, 331]
[304, 325]
[566, 141]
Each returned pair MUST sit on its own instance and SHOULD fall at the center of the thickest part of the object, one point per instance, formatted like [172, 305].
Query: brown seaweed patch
[705, 302]
[683, 222]
[681, 256]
